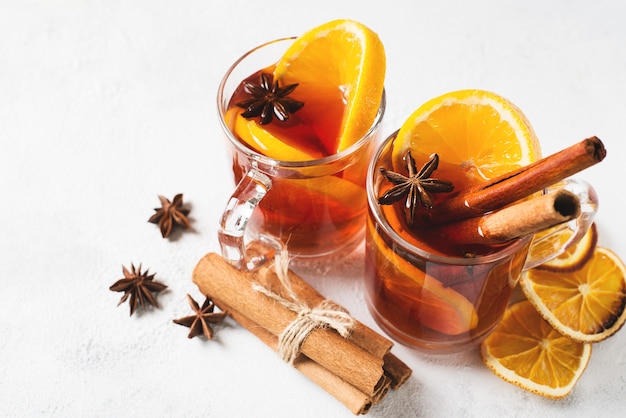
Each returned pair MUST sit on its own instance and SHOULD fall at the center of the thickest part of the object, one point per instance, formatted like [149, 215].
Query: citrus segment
[441, 308]
[265, 142]
[478, 132]
[340, 69]
[574, 257]
[526, 351]
[338, 196]
[587, 304]
[260, 140]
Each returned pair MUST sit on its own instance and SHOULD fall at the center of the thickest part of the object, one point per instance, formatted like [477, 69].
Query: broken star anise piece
[416, 187]
[139, 286]
[170, 214]
[198, 324]
[269, 100]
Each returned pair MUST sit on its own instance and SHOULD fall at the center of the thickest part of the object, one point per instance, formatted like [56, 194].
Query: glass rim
[263, 159]
[379, 218]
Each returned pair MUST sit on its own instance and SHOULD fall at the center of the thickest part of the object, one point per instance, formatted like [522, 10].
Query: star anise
[170, 214]
[269, 100]
[416, 187]
[198, 324]
[139, 286]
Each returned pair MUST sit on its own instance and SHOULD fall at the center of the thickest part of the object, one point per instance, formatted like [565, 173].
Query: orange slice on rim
[477, 132]
[340, 70]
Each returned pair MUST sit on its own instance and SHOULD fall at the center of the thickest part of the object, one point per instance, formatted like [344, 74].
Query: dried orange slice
[575, 256]
[477, 132]
[546, 243]
[587, 304]
[526, 351]
[340, 70]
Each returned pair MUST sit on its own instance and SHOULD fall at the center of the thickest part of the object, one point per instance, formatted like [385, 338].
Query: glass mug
[445, 304]
[315, 207]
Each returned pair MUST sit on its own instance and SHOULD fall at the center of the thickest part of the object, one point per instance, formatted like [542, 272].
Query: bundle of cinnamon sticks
[357, 370]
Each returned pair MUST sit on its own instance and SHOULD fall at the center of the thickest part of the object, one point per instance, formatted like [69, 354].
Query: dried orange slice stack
[543, 343]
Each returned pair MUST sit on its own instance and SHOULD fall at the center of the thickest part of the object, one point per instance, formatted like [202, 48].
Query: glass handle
[232, 229]
[554, 242]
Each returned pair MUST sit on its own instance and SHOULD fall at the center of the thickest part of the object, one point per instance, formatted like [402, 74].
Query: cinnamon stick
[356, 401]
[397, 371]
[515, 221]
[232, 287]
[510, 187]
[361, 335]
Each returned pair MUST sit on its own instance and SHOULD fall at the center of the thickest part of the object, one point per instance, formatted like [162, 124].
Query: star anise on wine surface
[170, 214]
[269, 100]
[139, 286]
[417, 187]
[199, 324]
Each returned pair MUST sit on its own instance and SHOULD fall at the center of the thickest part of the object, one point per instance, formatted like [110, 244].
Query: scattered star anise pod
[139, 286]
[198, 324]
[416, 187]
[170, 214]
[269, 100]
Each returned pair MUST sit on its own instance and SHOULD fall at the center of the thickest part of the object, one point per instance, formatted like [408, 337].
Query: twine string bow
[326, 315]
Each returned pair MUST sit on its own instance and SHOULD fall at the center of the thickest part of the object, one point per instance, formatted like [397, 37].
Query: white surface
[106, 104]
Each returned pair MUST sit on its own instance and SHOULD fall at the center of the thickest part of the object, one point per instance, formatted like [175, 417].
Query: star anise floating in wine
[199, 324]
[139, 286]
[170, 214]
[269, 100]
[416, 187]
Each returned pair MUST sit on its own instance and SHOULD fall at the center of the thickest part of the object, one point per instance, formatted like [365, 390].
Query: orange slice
[262, 141]
[526, 351]
[571, 259]
[442, 308]
[587, 304]
[546, 243]
[340, 70]
[476, 132]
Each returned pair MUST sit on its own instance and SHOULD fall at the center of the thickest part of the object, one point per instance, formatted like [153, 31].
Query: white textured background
[106, 104]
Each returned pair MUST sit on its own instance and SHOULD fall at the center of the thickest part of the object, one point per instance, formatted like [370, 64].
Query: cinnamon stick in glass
[513, 186]
[515, 221]
[229, 286]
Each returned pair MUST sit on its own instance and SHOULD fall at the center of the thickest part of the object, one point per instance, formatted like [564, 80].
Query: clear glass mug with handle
[439, 303]
[315, 207]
